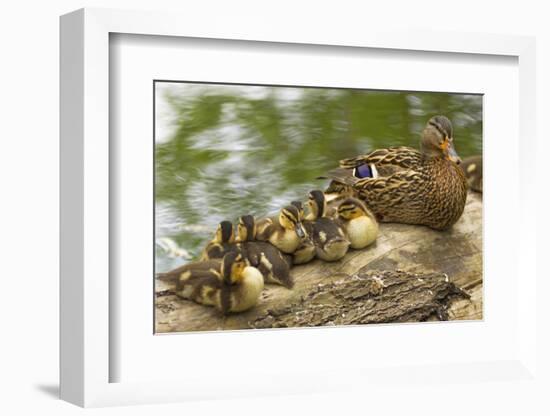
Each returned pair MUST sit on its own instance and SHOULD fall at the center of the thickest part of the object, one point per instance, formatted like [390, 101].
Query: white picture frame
[86, 356]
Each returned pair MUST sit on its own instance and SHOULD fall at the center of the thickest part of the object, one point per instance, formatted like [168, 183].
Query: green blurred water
[224, 151]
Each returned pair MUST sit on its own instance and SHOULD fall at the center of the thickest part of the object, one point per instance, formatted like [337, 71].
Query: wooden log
[444, 261]
[372, 297]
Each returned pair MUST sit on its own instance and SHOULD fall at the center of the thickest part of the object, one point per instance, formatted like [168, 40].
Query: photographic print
[288, 206]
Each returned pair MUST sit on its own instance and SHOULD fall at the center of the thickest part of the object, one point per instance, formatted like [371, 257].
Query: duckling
[268, 259]
[228, 284]
[284, 232]
[306, 250]
[222, 243]
[473, 169]
[327, 235]
[358, 222]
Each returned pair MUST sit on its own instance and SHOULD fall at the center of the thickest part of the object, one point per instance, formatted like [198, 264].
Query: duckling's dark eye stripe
[288, 217]
[347, 208]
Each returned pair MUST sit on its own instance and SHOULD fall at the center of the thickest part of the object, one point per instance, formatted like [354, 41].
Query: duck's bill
[452, 155]
[300, 230]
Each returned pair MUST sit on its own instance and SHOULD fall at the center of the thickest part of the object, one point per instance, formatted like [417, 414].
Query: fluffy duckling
[228, 284]
[284, 232]
[222, 243]
[306, 250]
[473, 169]
[327, 235]
[358, 222]
[268, 259]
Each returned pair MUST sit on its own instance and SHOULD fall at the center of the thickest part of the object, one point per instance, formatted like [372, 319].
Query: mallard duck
[285, 232]
[227, 284]
[327, 235]
[273, 264]
[473, 169]
[306, 250]
[402, 184]
[358, 222]
[222, 243]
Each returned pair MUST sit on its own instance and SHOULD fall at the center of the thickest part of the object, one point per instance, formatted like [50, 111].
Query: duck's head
[352, 208]
[246, 229]
[437, 139]
[317, 204]
[224, 233]
[289, 218]
[233, 264]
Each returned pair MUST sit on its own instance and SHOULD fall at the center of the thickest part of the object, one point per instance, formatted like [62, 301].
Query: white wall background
[29, 178]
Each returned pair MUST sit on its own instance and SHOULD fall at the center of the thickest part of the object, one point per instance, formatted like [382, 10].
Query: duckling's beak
[300, 230]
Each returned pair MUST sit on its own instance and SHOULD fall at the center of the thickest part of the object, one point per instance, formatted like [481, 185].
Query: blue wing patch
[363, 171]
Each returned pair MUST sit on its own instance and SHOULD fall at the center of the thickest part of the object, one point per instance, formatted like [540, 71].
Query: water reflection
[225, 151]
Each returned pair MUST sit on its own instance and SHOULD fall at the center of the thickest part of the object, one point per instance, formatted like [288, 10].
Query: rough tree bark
[411, 274]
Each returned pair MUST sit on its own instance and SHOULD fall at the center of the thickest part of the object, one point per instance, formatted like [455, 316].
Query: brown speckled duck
[402, 184]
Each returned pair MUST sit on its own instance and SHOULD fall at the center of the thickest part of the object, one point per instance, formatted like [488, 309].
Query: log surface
[411, 274]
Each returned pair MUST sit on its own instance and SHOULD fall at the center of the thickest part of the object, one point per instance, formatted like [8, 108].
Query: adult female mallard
[404, 185]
